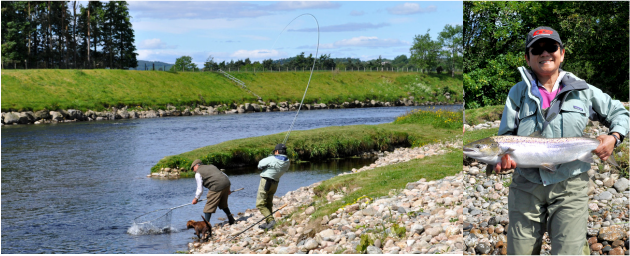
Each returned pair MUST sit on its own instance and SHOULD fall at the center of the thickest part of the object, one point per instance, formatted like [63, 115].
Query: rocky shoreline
[423, 217]
[486, 210]
[72, 115]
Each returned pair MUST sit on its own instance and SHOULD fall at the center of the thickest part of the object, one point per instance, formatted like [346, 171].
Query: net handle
[202, 200]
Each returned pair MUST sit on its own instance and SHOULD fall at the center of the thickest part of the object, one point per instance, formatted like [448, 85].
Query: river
[76, 187]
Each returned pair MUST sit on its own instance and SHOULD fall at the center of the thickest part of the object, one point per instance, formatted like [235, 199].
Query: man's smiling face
[546, 63]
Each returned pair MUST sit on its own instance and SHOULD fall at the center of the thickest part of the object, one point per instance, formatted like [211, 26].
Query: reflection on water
[76, 187]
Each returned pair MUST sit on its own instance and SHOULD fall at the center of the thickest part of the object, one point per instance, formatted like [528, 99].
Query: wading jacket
[577, 102]
[212, 178]
[274, 167]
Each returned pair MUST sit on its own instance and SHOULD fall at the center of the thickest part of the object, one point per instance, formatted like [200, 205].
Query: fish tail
[611, 160]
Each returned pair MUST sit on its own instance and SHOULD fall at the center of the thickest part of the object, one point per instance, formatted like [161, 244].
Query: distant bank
[100, 90]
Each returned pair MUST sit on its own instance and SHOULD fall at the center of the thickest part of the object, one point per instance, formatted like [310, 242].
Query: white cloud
[257, 54]
[365, 41]
[410, 8]
[155, 43]
[297, 5]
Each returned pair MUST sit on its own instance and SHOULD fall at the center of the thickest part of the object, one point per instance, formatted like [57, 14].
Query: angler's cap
[540, 33]
[196, 162]
[280, 147]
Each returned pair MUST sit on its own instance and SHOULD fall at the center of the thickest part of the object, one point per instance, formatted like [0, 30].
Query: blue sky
[237, 30]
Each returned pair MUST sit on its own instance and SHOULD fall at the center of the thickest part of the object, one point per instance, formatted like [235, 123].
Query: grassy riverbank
[416, 128]
[98, 89]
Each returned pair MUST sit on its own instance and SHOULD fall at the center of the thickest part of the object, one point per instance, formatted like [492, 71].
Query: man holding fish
[550, 184]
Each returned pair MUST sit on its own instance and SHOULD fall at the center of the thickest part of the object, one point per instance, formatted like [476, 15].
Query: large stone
[616, 251]
[417, 229]
[621, 185]
[612, 233]
[151, 114]
[311, 244]
[368, 211]
[25, 117]
[609, 182]
[10, 118]
[42, 114]
[310, 210]
[75, 114]
[55, 115]
[327, 234]
[374, 250]
[122, 114]
[605, 195]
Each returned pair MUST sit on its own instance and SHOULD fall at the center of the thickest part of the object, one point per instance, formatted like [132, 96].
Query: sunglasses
[538, 50]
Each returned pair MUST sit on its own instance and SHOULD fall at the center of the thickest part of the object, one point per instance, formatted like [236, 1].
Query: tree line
[67, 34]
[443, 54]
[595, 36]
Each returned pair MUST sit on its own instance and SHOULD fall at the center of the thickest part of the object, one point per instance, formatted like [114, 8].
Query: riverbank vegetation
[410, 130]
[99, 89]
[495, 33]
[483, 114]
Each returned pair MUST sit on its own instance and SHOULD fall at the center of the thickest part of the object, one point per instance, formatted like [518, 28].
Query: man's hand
[505, 164]
[606, 146]
[194, 201]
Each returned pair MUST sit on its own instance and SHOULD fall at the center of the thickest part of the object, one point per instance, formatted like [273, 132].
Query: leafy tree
[268, 64]
[183, 63]
[400, 60]
[326, 62]
[424, 52]
[210, 64]
[451, 39]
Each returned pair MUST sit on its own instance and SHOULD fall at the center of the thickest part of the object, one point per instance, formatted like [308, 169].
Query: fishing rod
[309, 78]
[234, 236]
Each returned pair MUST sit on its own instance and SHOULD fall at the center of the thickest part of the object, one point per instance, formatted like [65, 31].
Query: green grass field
[99, 89]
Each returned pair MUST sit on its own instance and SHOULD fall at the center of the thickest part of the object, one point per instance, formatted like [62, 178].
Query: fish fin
[586, 157]
[611, 160]
[549, 167]
[536, 134]
[507, 151]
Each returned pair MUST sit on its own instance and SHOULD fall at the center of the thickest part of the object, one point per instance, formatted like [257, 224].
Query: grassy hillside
[98, 89]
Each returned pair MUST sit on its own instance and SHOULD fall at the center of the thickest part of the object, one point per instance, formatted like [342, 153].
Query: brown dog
[202, 228]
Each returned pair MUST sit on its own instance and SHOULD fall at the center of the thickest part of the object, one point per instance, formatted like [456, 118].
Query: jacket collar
[570, 82]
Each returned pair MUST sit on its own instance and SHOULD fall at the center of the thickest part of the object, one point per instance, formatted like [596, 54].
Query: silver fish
[530, 152]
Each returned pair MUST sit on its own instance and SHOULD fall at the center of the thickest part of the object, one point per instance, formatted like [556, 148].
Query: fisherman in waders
[218, 185]
[559, 104]
[273, 167]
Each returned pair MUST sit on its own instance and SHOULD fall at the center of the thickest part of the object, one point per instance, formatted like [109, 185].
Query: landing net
[155, 222]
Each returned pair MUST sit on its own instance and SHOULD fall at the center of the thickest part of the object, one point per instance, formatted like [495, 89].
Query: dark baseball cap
[280, 147]
[540, 33]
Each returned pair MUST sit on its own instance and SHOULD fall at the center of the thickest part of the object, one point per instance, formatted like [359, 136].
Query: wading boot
[231, 220]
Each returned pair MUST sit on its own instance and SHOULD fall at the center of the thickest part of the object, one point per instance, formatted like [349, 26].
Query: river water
[76, 187]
